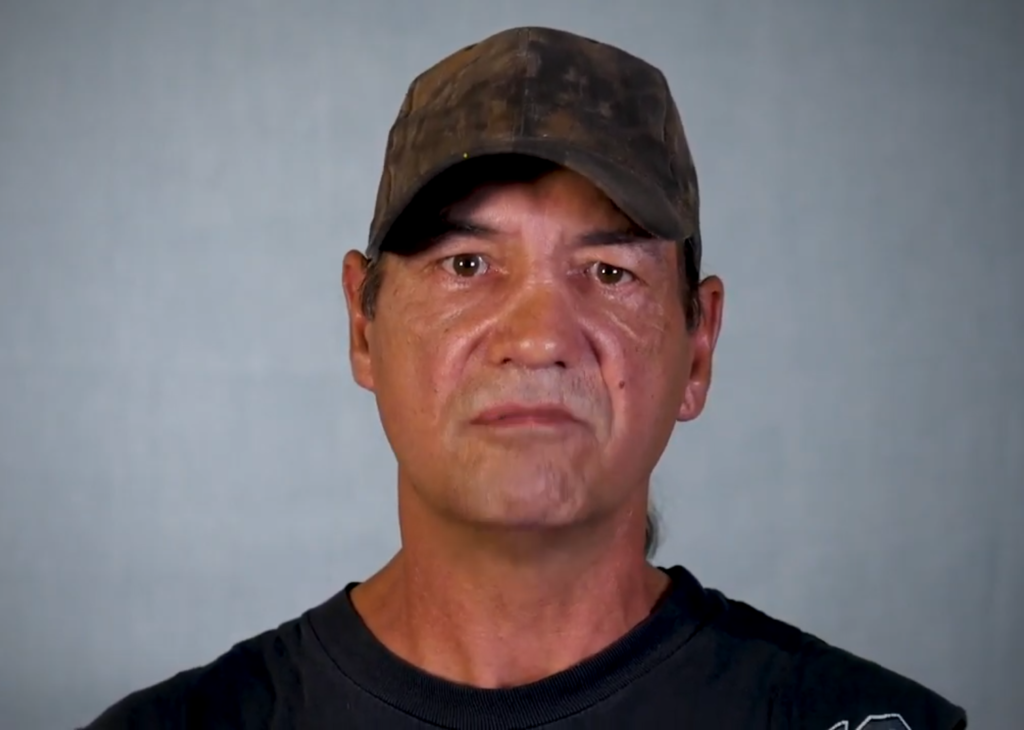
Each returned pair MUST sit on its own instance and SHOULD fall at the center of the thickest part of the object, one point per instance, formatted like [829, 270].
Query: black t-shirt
[700, 661]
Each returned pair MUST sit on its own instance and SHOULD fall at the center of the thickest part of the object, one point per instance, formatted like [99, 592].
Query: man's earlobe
[353, 278]
[703, 340]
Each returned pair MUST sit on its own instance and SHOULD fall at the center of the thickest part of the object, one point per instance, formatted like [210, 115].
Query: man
[530, 318]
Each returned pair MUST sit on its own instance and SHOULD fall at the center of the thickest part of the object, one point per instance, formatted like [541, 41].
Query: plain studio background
[185, 462]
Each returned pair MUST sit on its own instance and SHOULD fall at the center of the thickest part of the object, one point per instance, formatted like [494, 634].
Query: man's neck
[489, 618]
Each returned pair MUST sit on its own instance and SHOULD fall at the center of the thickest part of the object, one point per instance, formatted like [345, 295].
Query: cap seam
[523, 53]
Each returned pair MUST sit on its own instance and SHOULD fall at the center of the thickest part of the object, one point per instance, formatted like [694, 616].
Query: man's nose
[539, 327]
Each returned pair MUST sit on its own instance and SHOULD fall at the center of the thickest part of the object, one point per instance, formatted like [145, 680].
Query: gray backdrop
[184, 460]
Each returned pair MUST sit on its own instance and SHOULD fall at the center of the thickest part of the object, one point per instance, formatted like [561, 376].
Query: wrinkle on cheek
[641, 338]
[643, 329]
[431, 326]
[415, 309]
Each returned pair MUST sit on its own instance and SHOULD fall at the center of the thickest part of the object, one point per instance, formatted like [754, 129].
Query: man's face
[530, 365]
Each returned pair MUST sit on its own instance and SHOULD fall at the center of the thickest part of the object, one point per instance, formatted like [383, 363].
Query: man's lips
[525, 415]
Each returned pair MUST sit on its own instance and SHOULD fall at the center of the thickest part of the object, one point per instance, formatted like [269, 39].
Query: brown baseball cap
[587, 106]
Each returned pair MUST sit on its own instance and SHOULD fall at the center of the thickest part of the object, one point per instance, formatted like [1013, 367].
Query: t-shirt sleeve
[831, 689]
[159, 707]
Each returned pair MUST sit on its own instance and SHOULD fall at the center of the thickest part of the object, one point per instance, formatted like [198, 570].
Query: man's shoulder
[819, 686]
[835, 689]
[229, 691]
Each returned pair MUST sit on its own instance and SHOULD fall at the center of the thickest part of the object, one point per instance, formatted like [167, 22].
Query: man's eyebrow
[449, 224]
[436, 229]
[616, 237]
[635, 237]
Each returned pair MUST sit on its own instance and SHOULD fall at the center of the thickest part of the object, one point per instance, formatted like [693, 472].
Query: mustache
[583, 398]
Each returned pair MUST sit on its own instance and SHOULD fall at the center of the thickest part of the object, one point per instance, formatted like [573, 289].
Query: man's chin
[534, 503]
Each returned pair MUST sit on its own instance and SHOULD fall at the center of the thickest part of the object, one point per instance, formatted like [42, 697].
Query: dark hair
[423, 220]
[652, 533]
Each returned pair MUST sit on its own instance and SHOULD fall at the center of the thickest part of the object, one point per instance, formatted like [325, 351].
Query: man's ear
[353, 278]
[702, 343]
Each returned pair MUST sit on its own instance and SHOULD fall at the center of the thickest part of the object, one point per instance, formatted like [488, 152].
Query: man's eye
[610, 275]
[465, 264]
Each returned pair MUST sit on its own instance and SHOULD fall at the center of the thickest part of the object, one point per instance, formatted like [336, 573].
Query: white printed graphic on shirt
[876, 722]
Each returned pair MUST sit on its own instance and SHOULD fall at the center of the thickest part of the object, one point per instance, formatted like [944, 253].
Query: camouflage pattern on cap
[586, 105]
